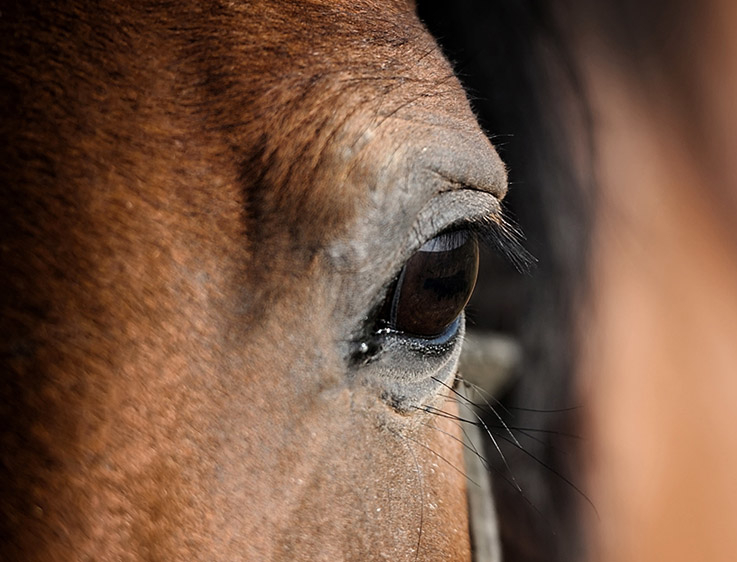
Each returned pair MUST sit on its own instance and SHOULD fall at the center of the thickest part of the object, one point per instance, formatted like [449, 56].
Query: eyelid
[475, 211]
[454, 209]
[446, 241]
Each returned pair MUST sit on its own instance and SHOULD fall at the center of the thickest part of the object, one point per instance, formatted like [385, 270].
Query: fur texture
[172, 382]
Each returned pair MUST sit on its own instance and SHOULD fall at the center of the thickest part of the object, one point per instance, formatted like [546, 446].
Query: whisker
[467, 444]
[513, 441]
[510, 479]
[479, 423]
[472, 409]
[471, 447]
[483, 394]
[553, 471]
[443, 414]
[505, 426]
[525, 430]
[545, 411]
[441, 457]
[499, 449]
[542, 442]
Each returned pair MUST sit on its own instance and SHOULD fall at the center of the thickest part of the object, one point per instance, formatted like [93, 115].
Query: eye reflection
[434, 285]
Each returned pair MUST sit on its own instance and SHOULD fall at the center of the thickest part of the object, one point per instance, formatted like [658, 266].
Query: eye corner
[365, 351]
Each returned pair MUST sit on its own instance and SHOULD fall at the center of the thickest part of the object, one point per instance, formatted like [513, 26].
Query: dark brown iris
[435, 285]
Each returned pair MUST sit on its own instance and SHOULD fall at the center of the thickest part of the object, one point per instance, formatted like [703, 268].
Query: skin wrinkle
[174, 386]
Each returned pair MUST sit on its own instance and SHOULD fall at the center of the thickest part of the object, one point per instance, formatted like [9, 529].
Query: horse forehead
[287, 104]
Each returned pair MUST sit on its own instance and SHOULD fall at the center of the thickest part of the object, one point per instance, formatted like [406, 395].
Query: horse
[237, 239]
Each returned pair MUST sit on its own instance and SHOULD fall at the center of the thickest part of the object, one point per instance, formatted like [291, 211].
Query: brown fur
[171, 177]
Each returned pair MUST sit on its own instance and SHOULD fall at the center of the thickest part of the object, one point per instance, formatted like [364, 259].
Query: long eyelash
[501, 235]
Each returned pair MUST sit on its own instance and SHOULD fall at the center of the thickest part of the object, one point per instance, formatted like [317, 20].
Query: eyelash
[497, 234]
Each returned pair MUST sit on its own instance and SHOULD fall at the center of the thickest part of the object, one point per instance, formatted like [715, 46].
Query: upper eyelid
[491, 228]
[449, 239]
[476, 210]
[454, 209]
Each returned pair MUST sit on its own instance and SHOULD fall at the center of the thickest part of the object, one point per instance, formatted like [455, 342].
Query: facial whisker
[480, 423]
[441, 457]
[443, 414]
[553, 471]
[472, 408]
[485, 396]
[466, 445]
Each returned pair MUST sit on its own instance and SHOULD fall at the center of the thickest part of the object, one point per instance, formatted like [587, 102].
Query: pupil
[435, 284]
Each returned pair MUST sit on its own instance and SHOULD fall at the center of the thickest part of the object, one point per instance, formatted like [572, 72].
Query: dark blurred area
[512, 59]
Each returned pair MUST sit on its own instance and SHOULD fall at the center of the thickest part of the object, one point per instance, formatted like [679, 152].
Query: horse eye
[434, 285]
